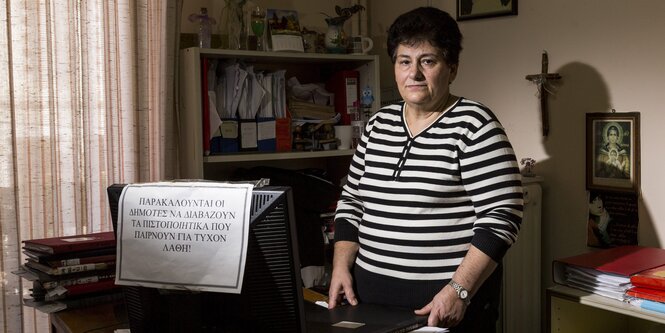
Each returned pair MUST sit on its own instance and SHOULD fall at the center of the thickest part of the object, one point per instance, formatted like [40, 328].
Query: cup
[361, 44]
[344, 134]
[309, 41]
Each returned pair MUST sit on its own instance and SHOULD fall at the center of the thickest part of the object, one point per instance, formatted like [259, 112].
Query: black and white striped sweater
[416, 204]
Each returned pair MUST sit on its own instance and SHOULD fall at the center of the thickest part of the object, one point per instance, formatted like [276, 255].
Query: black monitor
[271, 297]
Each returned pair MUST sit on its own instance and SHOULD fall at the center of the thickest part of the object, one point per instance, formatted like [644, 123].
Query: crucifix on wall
[541, 80]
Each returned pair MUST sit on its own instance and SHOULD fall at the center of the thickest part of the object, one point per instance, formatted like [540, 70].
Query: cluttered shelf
[272, 156]
[239, 138]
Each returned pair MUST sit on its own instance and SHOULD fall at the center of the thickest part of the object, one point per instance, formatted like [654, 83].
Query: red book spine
[646, 293]
[205, 103]
[646, 281]
[77, 280]
[86, 288]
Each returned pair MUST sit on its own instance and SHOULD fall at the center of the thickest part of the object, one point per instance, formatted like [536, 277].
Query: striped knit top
[415, 204]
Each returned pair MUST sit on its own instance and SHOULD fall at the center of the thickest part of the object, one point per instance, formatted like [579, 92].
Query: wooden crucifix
[541, 80]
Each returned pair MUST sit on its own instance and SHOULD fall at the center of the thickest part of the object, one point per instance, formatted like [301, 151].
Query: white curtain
[87, 91]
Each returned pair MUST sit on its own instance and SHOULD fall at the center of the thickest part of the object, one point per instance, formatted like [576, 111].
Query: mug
[361, 44]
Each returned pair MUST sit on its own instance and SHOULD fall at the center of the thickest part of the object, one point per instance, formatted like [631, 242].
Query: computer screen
[271, 297]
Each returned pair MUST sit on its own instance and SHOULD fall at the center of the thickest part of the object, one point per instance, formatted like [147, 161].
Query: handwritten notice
[184, 236]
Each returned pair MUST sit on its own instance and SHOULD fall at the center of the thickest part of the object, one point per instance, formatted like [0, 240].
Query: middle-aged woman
[434, 196]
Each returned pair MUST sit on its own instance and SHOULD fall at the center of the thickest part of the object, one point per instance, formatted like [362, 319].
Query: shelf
[601, 302]
[270, 156]
[285, 57]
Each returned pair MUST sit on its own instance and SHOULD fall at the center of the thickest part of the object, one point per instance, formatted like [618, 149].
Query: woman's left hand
[445, 309]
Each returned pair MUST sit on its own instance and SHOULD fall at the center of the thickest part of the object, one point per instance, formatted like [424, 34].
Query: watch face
[463, 294]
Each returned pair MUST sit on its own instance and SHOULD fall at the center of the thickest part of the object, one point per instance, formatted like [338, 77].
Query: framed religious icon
[475, 9]
[613, 151]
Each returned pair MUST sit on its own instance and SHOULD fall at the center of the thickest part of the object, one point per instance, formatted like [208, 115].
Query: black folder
[372, 318]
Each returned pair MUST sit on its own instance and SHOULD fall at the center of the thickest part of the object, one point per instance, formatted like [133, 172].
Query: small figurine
[366, 98]
[529, 164]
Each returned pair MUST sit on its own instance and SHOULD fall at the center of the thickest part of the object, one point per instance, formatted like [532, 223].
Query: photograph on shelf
[613, 151]
[477, 9]
[284, 30]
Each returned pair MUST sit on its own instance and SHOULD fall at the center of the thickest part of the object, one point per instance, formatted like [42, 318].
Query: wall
[610, 54]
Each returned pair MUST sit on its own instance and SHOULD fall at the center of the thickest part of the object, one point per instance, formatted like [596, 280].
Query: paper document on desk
[183, 236]
[429, 329]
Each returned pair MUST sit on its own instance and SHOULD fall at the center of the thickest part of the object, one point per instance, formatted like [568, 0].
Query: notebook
[361, 318]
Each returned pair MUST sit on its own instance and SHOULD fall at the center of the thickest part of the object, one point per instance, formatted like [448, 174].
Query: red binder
[344, 84]
[652, 278]
[205, 104]
[623, 260]
[56, 245]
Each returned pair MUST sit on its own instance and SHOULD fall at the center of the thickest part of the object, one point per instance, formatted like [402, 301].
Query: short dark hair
[426, 24]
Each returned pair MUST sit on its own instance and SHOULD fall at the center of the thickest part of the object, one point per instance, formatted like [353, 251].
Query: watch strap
[462, 293]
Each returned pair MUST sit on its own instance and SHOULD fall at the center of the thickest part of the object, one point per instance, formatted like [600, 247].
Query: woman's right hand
[341, 287]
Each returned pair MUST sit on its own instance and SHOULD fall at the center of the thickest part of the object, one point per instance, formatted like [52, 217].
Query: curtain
[87, 95]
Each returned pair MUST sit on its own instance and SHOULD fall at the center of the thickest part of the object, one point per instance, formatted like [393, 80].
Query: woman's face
[596, 206]
[423, 77]
[612, 135]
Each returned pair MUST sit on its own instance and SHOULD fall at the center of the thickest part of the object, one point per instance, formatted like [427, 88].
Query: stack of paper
[597, 282]
[305, 110]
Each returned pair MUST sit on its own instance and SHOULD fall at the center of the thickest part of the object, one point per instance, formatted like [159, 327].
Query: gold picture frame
[613, 151]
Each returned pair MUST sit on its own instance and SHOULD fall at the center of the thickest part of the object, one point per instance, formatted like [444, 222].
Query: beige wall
[611, 54]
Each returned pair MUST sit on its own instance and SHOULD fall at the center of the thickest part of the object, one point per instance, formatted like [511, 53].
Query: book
[73, 261]
[32, 274]
[67, 244]
[649, 305]
[646, 293]
[62, 292]
[652, 278]
[82, 279]
[606, 272]
[115, 295]
[71, 256]
[64, 270]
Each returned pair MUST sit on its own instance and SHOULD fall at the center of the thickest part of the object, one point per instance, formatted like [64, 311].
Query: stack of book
[648, 287]
[71, 271]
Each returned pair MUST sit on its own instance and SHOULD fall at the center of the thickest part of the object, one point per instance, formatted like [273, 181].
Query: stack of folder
[648, 288]
[610, 272]
[71, 271]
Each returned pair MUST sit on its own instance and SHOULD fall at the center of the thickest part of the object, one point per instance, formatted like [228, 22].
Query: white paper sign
[185, 236]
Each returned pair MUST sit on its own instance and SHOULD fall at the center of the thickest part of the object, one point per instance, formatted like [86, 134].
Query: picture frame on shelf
[284, 30]
[613, 151]
[478, 9]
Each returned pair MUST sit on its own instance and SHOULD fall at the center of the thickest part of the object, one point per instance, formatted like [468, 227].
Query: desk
[101, 318]
[572, 310]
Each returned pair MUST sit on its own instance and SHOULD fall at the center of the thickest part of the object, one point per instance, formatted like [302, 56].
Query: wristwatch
[462, 293]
